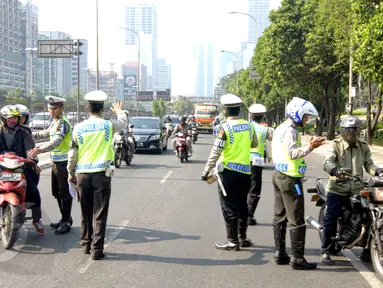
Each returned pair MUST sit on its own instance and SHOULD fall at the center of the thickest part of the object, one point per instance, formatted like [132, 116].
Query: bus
[204, 114]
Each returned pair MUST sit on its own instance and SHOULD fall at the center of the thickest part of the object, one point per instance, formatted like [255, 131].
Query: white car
[40, 121]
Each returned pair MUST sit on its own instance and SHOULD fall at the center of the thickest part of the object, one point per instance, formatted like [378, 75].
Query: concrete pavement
[163, 223]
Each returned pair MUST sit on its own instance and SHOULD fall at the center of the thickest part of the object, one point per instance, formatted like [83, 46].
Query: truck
[204, 115]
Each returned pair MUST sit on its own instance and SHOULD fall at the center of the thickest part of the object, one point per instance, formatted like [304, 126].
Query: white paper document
[73, 190]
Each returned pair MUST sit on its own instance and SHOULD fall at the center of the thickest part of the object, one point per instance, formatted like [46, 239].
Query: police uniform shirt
[220, 143]
[290, 139]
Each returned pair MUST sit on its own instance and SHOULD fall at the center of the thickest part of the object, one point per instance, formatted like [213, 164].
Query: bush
[361, 111]
[379, 134]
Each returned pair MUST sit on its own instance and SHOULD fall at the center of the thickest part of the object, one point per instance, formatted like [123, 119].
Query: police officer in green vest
[230, 158]
[257, 157]
[60, 134]
[289, 206]
[90, 167]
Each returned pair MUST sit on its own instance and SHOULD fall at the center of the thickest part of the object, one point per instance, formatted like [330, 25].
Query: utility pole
[78, 53]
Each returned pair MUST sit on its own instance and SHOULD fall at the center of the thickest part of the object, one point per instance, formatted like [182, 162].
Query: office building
[204, 60]
[142, 18]
[259, 9]
[163, 75]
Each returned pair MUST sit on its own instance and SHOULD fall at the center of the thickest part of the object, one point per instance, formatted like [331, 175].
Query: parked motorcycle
[13, 186]
[121, 148]
[194, 133]
[181, 146]
[360, 223]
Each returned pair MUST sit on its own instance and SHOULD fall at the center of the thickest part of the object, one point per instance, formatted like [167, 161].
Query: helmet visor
[350, 134]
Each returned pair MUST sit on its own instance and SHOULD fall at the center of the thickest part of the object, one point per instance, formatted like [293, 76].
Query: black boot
[280, 257]
[232, 236]
[298, 262]
[66, 222]
[57, 224]
[252, 206]
[243, 240]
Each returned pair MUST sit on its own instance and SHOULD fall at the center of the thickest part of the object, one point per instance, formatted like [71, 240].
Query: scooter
[194, 133]
[181, 146]
[13, 185]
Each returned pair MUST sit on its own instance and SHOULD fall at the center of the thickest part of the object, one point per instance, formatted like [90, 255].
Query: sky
[181, 23]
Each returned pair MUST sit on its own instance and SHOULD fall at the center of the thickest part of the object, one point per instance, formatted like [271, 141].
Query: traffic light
[78, 44]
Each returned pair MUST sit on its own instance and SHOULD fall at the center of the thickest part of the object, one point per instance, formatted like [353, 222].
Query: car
[40, 121]
[149, 134]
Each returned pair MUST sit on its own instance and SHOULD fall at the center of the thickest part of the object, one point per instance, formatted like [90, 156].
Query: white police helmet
[257, 109]
[297, 108]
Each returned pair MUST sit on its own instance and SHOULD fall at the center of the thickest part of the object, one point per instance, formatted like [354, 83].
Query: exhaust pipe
[364, 230]
[313, 223]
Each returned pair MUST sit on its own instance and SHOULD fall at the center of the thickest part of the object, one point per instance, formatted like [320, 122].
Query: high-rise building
[12, 46]
[57, 72]
[259, 9]
[204, 57]
[163, 80]
[83, 66]
[142, 18]
[29, 14]
[107, 82]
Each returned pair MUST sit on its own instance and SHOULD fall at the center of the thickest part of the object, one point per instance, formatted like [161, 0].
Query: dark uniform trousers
[60, 189]
[289, 207]
[234, 205]
[94, 190]
[255, 189]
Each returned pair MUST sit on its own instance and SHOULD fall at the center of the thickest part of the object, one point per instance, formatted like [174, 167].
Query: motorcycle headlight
[118, 137]
[154, 137]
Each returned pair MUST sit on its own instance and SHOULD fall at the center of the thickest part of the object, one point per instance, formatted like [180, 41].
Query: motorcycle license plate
[11, 177]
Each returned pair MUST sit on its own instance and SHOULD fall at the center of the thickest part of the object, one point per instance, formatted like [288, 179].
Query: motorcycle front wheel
[377, 260]
[182, 156]
[10, 229]
[117, 158]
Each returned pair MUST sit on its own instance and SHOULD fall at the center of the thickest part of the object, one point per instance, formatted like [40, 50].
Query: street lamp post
[256, 23]
[223, 51]
[138, 63]
[97, 68]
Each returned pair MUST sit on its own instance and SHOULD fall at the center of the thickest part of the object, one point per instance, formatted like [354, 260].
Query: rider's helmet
[298, 108]
[24, 111]
[7, 113]
[350, 129]
[168, 117]
[192, 118]
[126, 113]
[182, 119]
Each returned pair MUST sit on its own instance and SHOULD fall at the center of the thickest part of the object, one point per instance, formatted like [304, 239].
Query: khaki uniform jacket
[341, 155]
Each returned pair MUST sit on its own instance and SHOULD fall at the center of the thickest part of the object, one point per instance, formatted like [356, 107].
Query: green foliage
[183, 106]
[358, 112]
[159, 108]
[15, 96]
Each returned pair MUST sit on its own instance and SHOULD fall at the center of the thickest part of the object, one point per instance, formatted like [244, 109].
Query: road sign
[55, 48]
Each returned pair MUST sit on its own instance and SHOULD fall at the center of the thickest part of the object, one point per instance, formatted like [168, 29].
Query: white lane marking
[363, 270]
[166, 177]
[109, 239]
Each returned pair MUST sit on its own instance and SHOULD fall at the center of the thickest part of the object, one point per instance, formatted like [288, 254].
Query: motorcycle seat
[322, 186]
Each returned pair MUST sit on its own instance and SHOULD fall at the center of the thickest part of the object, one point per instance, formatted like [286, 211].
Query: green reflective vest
[60, 153]
[282, 161]
[95, 151]
[259, 151]
[236, 152]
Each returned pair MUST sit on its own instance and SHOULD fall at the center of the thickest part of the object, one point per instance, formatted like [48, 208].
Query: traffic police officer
[288, 158]
[89, 166]
[257, 157]
[60, 134]
[232, 151]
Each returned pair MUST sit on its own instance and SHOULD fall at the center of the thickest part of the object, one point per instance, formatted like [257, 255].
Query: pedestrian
[288, 158]
[60, 134]
[90, 167]
[257, 157]
[344, 153]
[15, 139]
[230, 156]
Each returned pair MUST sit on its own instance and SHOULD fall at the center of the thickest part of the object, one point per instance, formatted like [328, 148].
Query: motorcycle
[194, 133]
[360, 223]
[13, 186]
[169, 129]
[121, 148]
[181, 146]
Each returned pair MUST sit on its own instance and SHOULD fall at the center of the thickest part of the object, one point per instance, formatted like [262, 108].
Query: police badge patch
[221, 133]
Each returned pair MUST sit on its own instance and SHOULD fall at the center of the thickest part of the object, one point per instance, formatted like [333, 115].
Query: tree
[368, 51]
[155, 108]
[16, 96]
[3, 94]
[183, 105]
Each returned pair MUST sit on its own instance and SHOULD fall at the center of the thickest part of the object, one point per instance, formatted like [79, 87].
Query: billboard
[130, 81]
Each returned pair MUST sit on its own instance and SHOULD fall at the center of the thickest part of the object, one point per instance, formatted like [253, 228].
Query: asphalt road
[163, 223]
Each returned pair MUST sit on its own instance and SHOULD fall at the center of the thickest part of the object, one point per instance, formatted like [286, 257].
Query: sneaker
[39, 228]
[190, 154]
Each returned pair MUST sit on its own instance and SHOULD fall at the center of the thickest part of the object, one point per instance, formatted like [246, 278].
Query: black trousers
[32, 197]
[334, 204]
[234, 205]
[255, 189]
[94, 190]
[60, 189]
[289, 205]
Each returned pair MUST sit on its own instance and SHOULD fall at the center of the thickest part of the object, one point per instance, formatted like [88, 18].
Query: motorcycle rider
[288, 158]
[182, 127]
[257, 112]
[231, 157]
[347, 152]
[168, 120]
[20, 141]
[25, 118]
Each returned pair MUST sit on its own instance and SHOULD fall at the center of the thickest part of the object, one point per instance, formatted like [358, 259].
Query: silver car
[40, 121]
